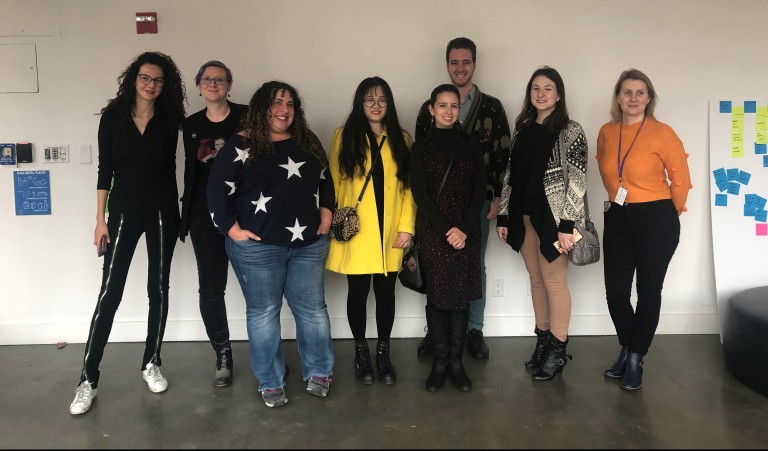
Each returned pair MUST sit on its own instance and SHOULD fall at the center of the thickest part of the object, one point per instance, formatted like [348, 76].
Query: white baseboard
[405, 327]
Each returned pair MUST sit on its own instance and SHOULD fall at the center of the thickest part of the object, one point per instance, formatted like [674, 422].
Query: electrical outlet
[498, 288]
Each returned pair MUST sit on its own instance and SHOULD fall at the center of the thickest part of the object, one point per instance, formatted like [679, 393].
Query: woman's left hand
[403, 240]
[566, 242]
[456, 238]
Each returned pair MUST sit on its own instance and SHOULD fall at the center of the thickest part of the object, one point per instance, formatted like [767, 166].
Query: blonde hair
[633, 74]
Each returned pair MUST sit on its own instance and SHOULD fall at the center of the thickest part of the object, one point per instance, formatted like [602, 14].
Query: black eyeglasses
[205, 81]
[145, 79]
[370, 102]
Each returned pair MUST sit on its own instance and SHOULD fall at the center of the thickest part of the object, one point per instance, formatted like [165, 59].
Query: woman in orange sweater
[645, 172]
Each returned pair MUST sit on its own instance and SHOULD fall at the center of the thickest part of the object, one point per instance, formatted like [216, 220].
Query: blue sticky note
[721, 200]
[750, 106]
[744, 177]
[765, 161]
[749, 209]
[761, 149]
[733, 188]
[733, 174]
[725, 106]
[761, 215]
[760, 202]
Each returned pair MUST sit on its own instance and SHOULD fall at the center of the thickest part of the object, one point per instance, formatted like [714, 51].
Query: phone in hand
[102, 248]
[576, 238]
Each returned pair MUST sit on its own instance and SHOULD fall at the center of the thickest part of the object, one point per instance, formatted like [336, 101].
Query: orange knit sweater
[656, 167]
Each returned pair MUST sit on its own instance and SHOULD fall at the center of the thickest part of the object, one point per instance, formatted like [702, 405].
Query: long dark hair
[171, 100]
[352, 156]
[556, 121]
[256, 123]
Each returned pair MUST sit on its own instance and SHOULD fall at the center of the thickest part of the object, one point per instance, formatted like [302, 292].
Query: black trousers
[357, 297]
[212, 267]
[161, 228]
[638, 240]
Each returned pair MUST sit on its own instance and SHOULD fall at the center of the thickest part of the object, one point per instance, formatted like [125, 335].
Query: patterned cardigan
[565, 203]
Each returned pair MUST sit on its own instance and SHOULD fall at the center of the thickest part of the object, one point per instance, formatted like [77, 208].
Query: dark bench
[745, 338]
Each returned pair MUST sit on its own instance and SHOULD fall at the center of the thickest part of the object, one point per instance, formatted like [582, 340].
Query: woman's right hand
[239, 234]
[502, 232]
[100, 231]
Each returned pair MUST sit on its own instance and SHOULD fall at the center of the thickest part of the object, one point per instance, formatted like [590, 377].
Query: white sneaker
[155, 380]
[84, 396]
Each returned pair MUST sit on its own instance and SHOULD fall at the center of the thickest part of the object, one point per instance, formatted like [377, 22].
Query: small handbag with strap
[346, 223]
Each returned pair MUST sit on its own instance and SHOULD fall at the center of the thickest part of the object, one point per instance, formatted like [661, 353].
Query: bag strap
[469, 124]
[373, 145]
[564, 165]
[445, 177]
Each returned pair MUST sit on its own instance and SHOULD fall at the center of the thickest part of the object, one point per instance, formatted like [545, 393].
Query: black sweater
[143, 166]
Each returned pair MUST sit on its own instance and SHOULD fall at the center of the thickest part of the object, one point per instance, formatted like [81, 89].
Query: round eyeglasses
[370, 102]
[205, 81]
[146, 79]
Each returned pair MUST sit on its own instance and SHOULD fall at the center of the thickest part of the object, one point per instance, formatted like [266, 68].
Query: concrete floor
[688, 400]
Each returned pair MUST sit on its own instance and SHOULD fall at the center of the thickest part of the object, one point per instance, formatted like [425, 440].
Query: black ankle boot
[619, 366]
[223, 375]
[458, 338]
[384, 367]
[554, 360]
[633, 377]
[541, 348]
[438, 322]
[363, 368]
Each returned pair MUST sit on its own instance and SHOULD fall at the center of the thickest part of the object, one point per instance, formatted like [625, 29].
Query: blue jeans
[477, 307]
[266, 274]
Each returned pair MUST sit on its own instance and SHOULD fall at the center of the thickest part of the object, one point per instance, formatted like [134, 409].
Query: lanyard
[620, 161]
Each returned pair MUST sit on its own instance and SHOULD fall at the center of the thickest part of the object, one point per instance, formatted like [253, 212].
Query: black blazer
[192, 128]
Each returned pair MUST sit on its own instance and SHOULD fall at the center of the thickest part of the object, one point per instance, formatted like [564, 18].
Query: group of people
[260, 191]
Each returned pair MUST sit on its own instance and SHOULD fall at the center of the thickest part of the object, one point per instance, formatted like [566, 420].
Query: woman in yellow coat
[372, 142]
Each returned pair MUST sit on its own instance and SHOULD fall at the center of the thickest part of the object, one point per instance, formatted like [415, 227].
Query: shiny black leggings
[161, 229]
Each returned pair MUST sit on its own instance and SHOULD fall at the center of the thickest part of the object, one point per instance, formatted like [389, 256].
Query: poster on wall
[33, 192]
[738, 181]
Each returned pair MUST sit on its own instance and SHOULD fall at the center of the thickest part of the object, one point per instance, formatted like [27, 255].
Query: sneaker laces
[83, 392]
[153, 372]
[325, 381]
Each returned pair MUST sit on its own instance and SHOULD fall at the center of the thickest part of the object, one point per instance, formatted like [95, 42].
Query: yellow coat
[364, 253]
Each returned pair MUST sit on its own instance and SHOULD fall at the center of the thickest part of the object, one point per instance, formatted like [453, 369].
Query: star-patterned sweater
[277, 197]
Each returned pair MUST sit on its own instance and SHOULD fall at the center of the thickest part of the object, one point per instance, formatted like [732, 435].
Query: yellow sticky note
[762, 137]
[737, 111]
[762, 111]
[737, 150]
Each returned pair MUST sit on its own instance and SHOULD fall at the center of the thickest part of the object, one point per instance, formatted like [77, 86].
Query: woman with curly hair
[271, 194]
[371, 149]
[138, 133]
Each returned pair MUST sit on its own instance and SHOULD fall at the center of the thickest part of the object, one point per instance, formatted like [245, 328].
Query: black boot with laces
[223, 375]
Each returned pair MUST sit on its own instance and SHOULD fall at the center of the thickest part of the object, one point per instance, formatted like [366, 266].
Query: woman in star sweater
[271, 194]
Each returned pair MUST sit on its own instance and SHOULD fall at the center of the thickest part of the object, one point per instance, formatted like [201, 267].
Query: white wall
[693, 50]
